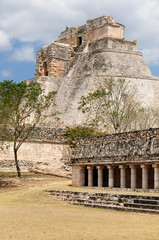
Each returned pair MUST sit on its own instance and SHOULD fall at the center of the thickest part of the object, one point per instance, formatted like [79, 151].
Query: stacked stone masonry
[52, 60]
[123, 202]
[125, 160]
[102, 41]
[46, 152]
[94, 30]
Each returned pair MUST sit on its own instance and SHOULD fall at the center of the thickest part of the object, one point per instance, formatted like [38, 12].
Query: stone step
[139, 197]
[138, 203]
[84, 197]
[143, 201]
[101, 200]
[107, 198]
[143, 206]
[79, 200]
[76, 197]
[119, 208]
[103, 195]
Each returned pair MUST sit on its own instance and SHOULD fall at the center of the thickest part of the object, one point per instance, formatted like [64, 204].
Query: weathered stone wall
[92, 31]
[114, 44]
[109, 57]
[89, 64]
[52, 60]
[48, 134]
[107, 31]
[123, 45]
[45, 151]
[40, 156]
[70, 90]
[131, 147]
[108, 63]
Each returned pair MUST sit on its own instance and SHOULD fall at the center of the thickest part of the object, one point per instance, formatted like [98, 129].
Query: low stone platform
[121, 202]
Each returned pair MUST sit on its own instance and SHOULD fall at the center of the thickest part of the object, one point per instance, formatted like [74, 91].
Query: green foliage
[22, 107]
[66, 27]
[80, 132]
[92, 96]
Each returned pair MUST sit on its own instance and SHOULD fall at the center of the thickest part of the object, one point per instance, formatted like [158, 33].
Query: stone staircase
[123, 202]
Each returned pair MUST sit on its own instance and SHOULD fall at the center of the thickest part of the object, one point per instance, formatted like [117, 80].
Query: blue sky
[25, 26]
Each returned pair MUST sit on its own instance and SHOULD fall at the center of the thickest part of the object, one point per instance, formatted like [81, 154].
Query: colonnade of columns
[145, 176]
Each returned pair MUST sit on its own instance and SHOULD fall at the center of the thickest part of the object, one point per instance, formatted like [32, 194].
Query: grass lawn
[27, 212]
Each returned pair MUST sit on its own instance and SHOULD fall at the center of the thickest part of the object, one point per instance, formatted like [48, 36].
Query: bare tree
[113, 105]
[146, 118]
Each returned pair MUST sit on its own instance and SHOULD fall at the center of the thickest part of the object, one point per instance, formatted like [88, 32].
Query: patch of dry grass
[26, 212]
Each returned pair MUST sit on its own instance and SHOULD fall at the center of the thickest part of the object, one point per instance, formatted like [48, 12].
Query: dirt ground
[27, 212]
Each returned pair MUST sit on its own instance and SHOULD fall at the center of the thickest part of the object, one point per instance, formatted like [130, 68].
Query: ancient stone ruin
[105, 200]
[78, 61]
[101, 41]
[73, 66]
[52, 60]
[123, 160]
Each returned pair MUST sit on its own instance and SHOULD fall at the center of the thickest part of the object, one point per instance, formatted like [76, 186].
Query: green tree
[80, 132]
[22, 107]
[113, 105]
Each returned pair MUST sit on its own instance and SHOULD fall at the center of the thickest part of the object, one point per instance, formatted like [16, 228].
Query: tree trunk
[16, 161]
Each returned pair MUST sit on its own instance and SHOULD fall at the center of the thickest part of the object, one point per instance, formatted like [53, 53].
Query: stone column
[90, 176]
[75, 175]
[100, 176]
[111, 177]
[144, 176]
[133, 177]
[81, 176]
[122, 176]
[156, 176]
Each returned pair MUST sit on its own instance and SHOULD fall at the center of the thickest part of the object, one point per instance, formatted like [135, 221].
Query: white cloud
[5, 73]
[34, 20]
[151, 55]
[25, 53]
[42, 20]
[5, 44]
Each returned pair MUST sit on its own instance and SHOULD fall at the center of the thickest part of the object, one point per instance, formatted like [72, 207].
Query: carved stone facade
[125, 160]
[52, 60]
[100, 40]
